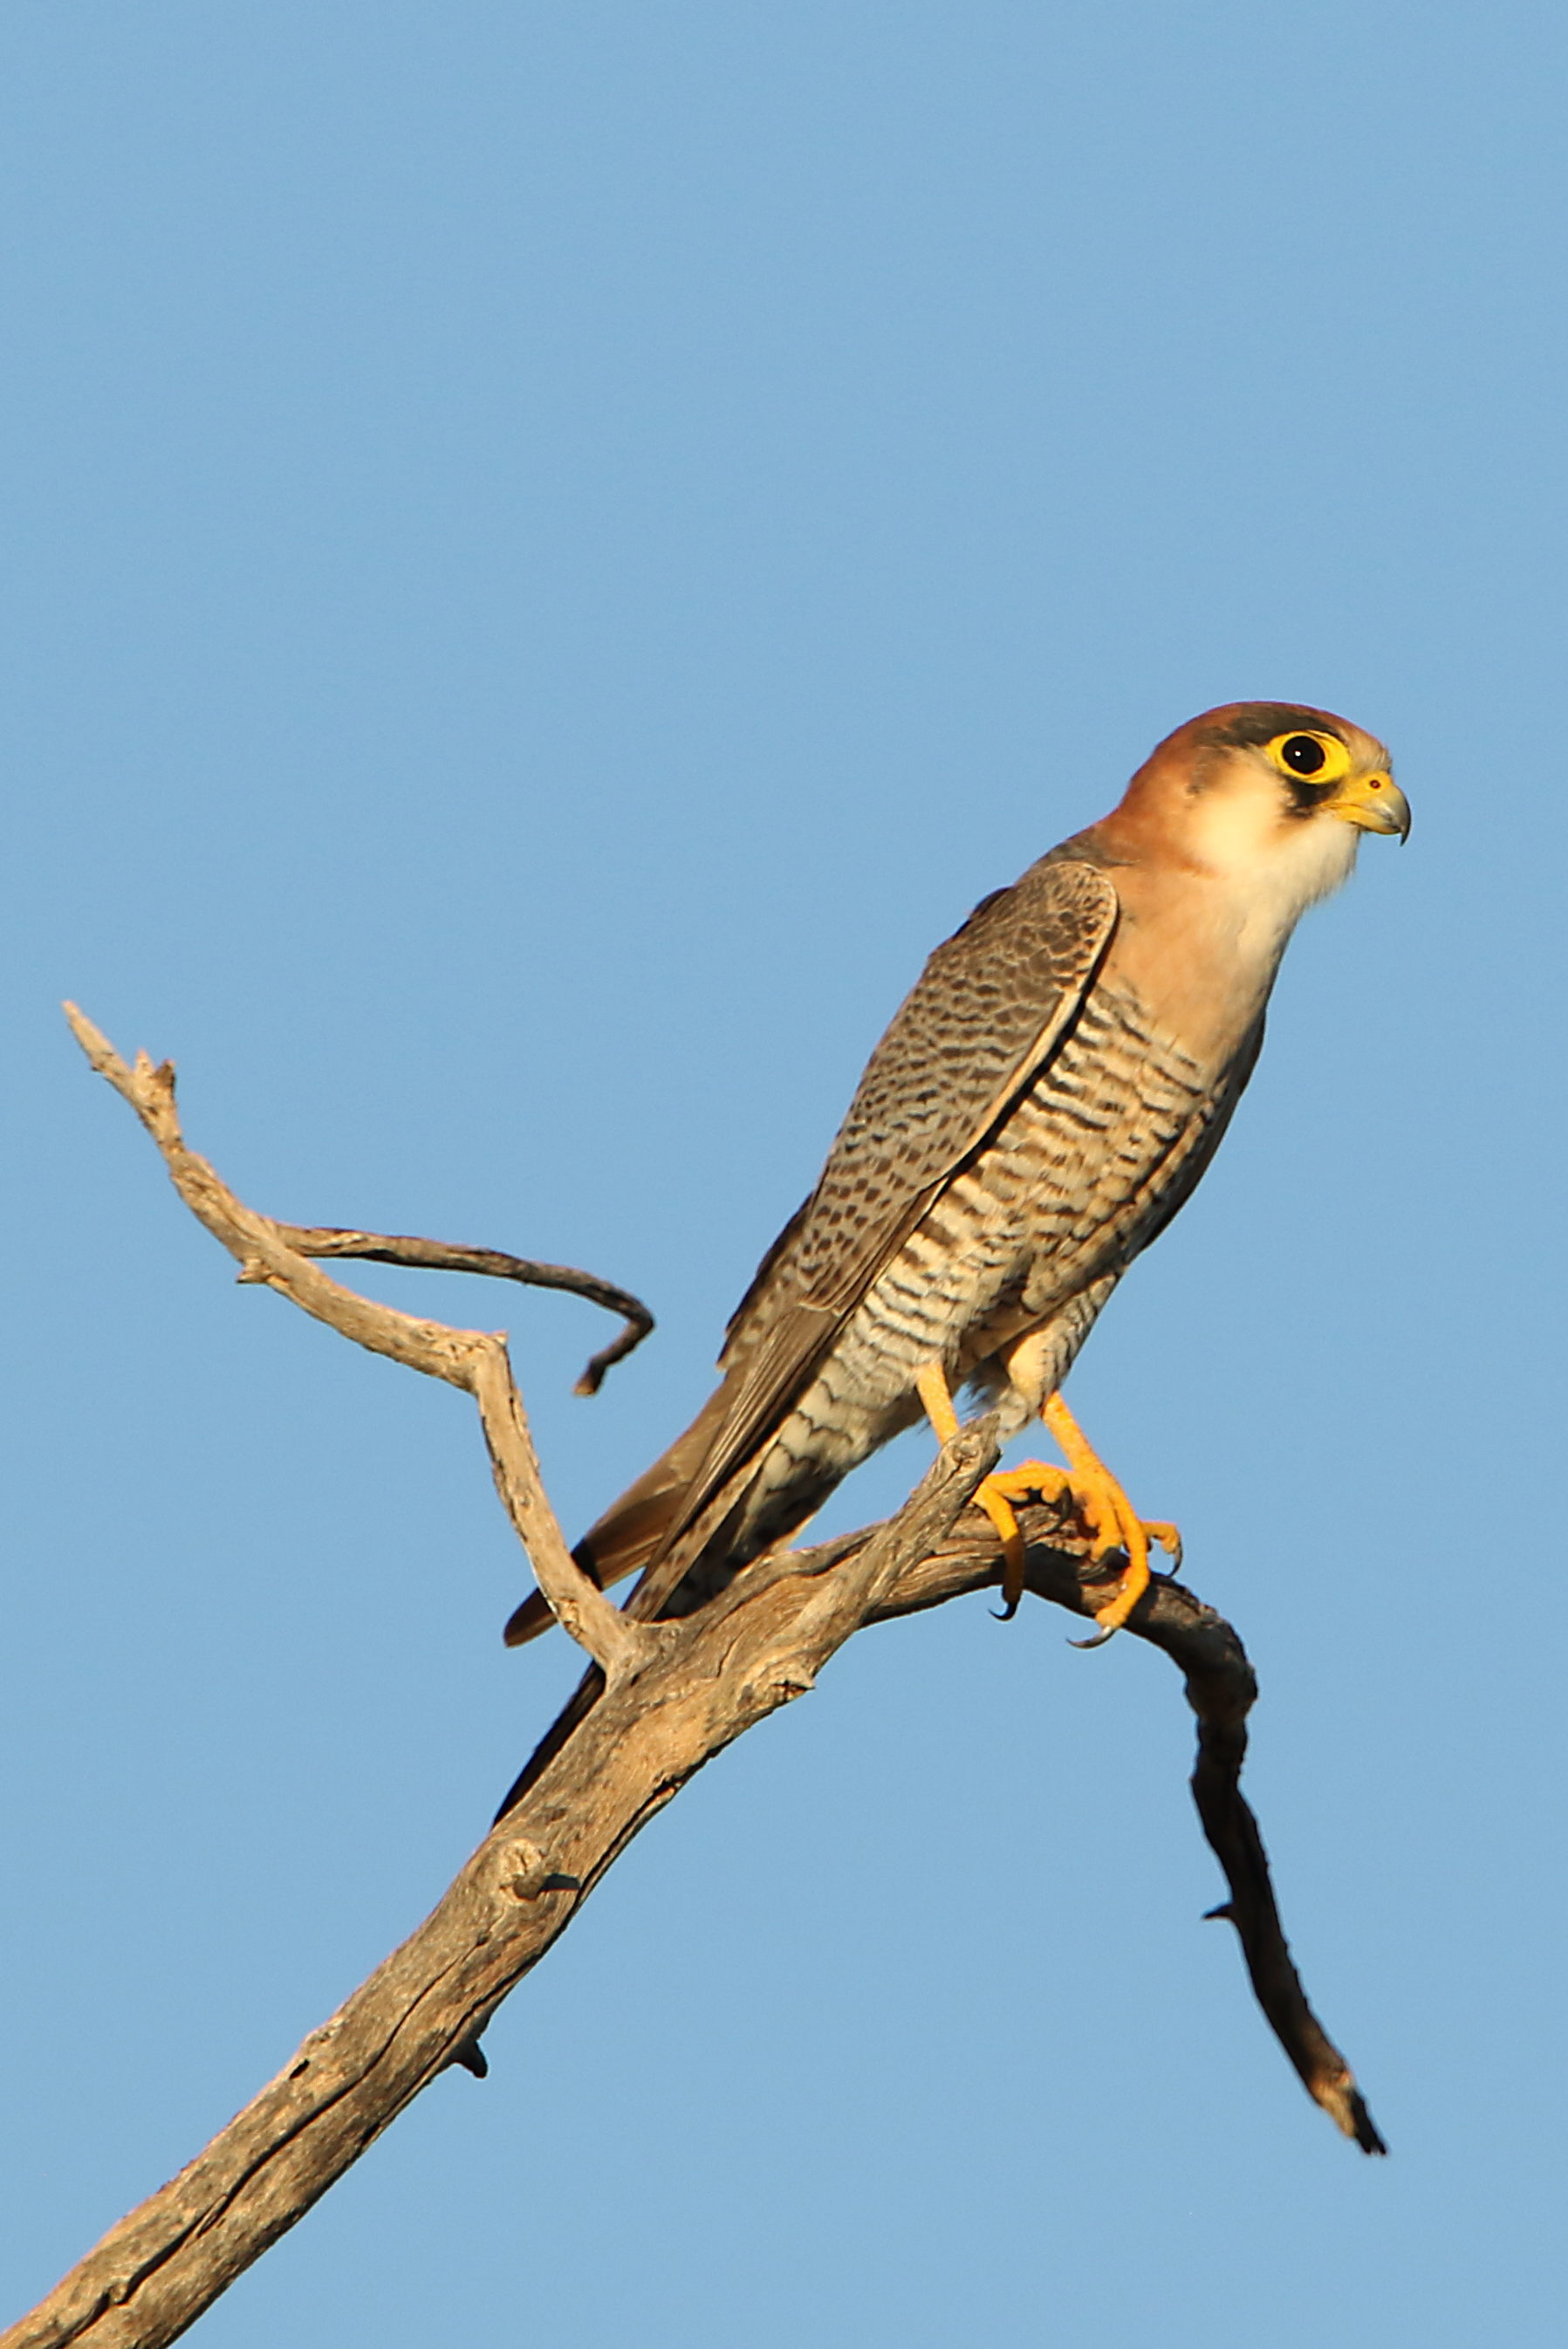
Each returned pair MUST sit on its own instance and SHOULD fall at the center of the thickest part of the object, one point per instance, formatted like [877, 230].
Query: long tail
[578, 1706]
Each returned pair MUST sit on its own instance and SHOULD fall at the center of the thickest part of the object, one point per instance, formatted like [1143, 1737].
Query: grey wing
[983, 1019]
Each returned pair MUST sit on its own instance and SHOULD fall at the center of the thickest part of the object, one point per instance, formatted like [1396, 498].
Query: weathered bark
[676, 1695]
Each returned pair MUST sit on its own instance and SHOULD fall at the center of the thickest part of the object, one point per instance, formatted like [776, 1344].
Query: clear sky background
[551, 554]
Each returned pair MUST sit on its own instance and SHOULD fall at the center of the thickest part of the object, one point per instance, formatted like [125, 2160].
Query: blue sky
[551, 555]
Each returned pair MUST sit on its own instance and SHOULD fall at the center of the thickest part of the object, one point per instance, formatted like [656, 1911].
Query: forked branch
[674, 1698]
[474, 1360]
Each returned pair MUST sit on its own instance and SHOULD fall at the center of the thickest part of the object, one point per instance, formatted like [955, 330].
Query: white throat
[1270, 868]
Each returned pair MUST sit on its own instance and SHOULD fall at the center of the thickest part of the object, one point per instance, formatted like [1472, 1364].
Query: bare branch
[720, 1671]
[1222, 1689]
[474, 1360]
[437, 1256]
[423, 2009]
[689, 1689]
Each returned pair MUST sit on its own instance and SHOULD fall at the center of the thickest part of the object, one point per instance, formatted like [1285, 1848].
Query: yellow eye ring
[1305, 756]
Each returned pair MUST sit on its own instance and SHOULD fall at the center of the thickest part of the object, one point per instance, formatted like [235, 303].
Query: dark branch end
[494, 1264]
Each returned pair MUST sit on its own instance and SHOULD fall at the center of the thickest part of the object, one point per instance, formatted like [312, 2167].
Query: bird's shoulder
[987, 1009]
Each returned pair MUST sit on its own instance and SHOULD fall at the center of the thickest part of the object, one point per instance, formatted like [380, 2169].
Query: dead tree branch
[676, 1693]
[438, 1255]
[474, 1360]
[1220, 1688]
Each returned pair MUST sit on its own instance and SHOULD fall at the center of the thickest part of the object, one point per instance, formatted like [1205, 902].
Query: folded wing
[987, 1012]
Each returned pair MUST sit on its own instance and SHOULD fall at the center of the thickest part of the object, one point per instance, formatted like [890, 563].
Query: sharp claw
[1012, 1577]
[1169, 1538]
[993, 1499]
[1107, 1517]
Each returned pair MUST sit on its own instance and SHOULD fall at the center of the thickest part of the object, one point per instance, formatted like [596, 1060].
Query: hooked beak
[1372, 803]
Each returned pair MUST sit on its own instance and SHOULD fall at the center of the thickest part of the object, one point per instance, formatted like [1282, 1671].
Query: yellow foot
[1107, 1515]
[1109, 1519]
[992, 1496]
[1031, 1480]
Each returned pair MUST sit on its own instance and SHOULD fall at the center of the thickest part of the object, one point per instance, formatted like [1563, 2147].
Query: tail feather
[578, 1705]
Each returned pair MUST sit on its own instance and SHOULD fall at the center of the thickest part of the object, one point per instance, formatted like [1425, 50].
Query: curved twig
[436, 1255]
[1222, 1689]
[474, 1360]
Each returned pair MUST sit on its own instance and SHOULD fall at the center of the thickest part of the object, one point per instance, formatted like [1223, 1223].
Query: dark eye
[1302, 754]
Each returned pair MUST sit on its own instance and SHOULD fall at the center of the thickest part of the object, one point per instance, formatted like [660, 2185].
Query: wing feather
[984, 1018]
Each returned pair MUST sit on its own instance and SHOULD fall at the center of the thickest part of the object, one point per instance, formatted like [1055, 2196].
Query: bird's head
[1270, 795]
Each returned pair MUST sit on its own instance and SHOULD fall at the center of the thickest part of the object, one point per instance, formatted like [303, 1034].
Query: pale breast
[1069, 1188]
[1086, 1168]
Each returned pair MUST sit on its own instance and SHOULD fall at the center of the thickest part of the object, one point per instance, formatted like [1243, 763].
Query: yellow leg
[933, 1389]
[1109, 1517]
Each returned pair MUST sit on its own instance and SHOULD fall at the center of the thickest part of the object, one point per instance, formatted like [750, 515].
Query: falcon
[1044, 1103]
